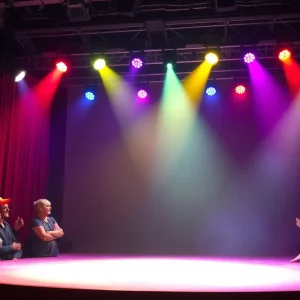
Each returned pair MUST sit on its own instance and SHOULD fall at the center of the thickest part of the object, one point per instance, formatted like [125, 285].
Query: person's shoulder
[36, 222]
[52, 220]
[7, 224]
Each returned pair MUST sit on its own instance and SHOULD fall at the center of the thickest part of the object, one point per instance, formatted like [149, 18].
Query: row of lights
[283, 55]
[211, 58]
[239, 89]
[142, 93]
[137, 62]
[100, 63]
[61, 66]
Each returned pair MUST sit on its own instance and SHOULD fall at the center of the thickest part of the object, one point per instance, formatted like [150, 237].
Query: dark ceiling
[34, 33]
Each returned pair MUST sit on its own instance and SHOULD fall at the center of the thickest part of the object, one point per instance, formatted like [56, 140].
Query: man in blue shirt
[10, 248]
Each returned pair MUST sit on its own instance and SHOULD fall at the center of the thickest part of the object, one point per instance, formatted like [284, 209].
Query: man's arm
[42, 234]
[6, 250]
[56, 233]
[13, 232]
[56, 227]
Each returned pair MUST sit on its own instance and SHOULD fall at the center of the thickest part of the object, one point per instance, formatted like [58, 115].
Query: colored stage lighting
[137, 63]
[20, 76]
[142, 94]
[169, 59]
[99, 64]
[249, 58]
[284, 54]
[61, 66]
[211, 58]
[90, 95]
[240, 89]
[211, 91]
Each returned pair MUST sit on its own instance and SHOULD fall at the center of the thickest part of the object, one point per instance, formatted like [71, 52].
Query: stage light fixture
[211, 91]
[20, 76]
[211, 58]
[99, 64]
[142, 94]
[284, 54]
[249, 58]
[90, 95]
[61, 66]
[137, 62]
[240, 89]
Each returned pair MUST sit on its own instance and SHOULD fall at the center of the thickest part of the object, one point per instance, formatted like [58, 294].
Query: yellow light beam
[195, 83]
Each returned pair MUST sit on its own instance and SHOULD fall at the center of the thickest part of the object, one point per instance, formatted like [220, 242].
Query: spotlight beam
[195, 83]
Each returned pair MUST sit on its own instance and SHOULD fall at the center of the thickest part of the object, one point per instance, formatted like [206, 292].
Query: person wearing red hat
[297, 258]
[10, 248]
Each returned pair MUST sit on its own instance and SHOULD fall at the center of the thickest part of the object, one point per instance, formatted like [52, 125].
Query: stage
[92, 276]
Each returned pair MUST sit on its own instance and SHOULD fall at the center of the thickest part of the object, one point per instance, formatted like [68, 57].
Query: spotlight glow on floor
[153, 274]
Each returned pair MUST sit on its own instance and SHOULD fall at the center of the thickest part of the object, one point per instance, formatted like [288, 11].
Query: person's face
[46, 209]
[4, 211]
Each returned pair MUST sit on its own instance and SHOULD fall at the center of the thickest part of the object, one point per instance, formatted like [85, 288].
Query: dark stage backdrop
[224, 184]
[57, 140]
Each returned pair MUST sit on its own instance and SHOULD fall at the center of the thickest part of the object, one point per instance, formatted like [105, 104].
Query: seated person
[10, 248]
[45, 231]
[297, 258]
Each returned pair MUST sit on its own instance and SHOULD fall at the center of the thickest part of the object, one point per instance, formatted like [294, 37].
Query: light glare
[211, 91]
[249, 58]
[61, 66]
[240, 89]
[89, 96]
[99, 64]
[211, 58]
[20, 76]
[142, 94]
[137, 63]
[284, 54]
